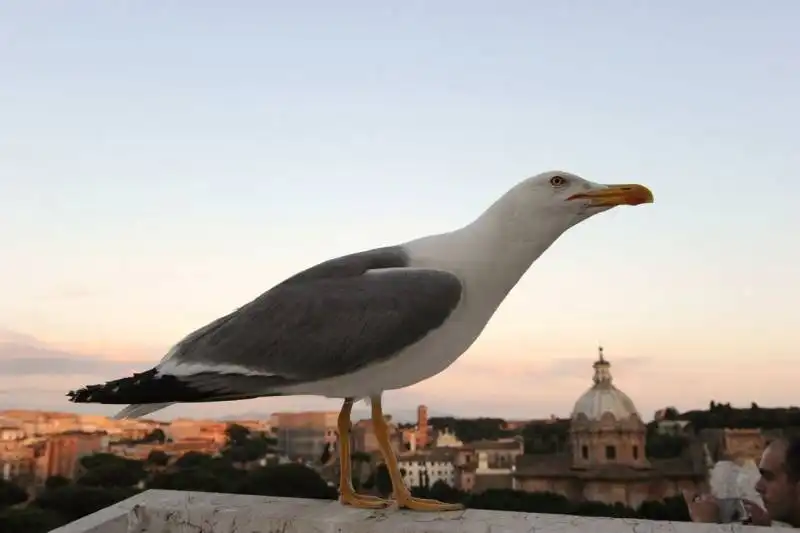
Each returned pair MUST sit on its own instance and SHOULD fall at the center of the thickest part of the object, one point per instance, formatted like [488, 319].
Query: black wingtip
[152, 387]
[84, 394]
[118, 391]
[145, 387]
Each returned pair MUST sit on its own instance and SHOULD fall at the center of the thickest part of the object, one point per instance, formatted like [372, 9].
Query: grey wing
[311, 328]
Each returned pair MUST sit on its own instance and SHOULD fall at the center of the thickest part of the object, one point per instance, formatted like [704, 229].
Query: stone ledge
[167, 511]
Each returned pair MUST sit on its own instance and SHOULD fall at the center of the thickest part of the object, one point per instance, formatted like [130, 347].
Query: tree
[75, 501]
[108, 470]
[244, 447]
[195, 471]
[722, 415]
[673, 509]
[546, 437]
[157, 458]
[250, 450]
[237, 435]
[290, 480]
[193, 459]
[30, 520]
[157, 435]
[54, 482]
[193, 479]
[11, 494]
[472, 429]
[441, 491]
[512, 500]
[670, 413]
[664, 445]
[382, 481]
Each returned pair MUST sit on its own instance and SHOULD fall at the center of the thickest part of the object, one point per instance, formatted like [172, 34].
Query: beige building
[364, 439]
[447, 439]
[304, 435]
[428, 467]
[488, 464]
[735, 445]
[606, 460]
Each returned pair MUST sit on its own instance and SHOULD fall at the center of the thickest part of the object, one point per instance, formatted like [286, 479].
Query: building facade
[606, 459]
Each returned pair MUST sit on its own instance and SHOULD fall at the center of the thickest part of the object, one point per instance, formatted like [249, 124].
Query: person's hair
[793, 458]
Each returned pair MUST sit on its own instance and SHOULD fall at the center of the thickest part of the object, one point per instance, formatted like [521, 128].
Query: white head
[546, 205]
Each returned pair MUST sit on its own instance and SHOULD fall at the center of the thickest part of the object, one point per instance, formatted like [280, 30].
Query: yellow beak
[613, 195]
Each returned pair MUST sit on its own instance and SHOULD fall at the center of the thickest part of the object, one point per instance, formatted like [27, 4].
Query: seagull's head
[572, 198]
[549, 203]
[562, 191]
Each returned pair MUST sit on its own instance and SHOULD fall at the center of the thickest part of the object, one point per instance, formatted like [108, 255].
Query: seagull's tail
[149, 387]
[151, 390]
[138, 410]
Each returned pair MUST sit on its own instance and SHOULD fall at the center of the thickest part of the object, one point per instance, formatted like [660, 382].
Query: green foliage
[75, 501]
[244, 446]
[512, 500]
[11, 494]
[108, 470]
[194, 479]
[193, 460]
[29, 520]
[439, 491]
[237, 435]
[472, 429]
[158, 458]
[54, 482]
[664, 446]
[546, 437]
[723, 415]
[157, 435]
[547, 502]
[199, 472]
[670, 509]
[382, 482]
[289, 480]
[670, 413]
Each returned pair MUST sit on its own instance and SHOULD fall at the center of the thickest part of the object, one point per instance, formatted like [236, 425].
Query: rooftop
[603, 397]
[166, 511]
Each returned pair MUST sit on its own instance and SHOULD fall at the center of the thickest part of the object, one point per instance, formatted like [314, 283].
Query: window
[585, 452]
[611, 452]
[635, 452]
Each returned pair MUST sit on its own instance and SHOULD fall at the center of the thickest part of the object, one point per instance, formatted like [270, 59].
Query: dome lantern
[602, 369]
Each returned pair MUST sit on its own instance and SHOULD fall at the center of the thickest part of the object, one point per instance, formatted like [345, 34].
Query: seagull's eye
[558, 181]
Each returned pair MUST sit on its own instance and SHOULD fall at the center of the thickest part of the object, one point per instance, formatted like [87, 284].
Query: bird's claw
[362, 501]
[423, 504]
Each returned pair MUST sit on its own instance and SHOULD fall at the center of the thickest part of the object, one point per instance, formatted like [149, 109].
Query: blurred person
[778, 486]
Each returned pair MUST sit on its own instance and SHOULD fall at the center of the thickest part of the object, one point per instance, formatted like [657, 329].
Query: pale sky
[162, 163]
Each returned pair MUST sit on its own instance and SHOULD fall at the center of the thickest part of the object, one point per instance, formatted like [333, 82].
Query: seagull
[358, 325]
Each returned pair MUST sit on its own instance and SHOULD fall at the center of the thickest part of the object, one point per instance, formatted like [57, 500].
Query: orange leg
[401, 493]
[347, 494]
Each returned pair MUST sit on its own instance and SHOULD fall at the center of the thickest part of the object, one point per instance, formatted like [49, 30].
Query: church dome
[603, 397]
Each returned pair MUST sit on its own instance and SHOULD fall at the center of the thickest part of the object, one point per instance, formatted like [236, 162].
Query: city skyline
[192, 157]
[571, 376]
